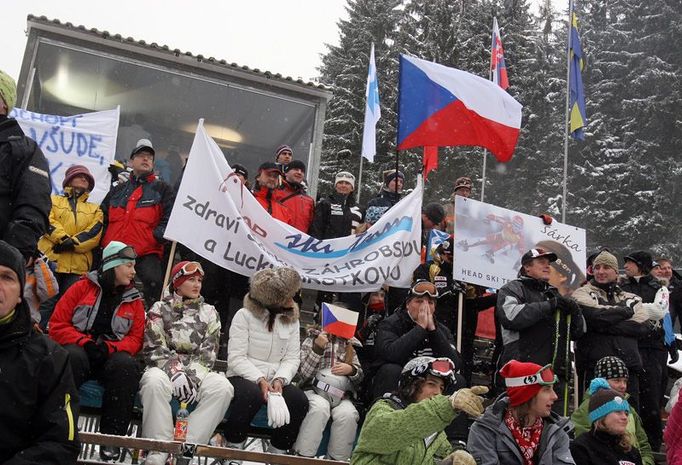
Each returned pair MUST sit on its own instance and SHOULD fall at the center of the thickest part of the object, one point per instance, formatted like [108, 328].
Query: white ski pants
[214, 397]
[344, 426]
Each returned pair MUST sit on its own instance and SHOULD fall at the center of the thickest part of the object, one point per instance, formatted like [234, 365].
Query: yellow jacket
[74, 218]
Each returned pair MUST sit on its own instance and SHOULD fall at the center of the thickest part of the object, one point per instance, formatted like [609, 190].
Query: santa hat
[522, 381]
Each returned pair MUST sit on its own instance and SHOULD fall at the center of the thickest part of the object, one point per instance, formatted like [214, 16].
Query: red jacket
[136, 213]
[301, 206]
[75, 314]
[271, 199]
[673, 435]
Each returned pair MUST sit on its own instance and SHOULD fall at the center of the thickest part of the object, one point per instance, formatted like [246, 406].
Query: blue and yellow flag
[576, 100]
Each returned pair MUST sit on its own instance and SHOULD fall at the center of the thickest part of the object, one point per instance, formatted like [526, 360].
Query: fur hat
[604, 400]
[78, 170]
[463, 182]
[272, 287]
[8, 91]
[611, 367]
[607, 259]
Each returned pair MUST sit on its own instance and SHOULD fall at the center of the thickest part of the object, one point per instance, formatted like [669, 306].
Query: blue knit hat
[604, 400]
[117, 253]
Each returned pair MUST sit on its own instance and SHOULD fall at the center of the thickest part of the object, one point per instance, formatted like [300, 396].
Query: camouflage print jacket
[182, 335]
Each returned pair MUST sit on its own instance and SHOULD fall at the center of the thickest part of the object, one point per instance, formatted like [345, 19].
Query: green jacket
[581, 421]
[396, 436]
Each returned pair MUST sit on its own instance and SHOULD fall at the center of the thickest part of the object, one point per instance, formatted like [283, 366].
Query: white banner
[218, 218]
[88, 139]
[490, 240]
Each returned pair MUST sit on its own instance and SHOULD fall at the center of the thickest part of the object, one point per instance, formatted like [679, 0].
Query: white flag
[372, 111]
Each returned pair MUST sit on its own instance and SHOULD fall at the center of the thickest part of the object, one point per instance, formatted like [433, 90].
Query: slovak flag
[339, 321]
[498, 68]
[441, 106]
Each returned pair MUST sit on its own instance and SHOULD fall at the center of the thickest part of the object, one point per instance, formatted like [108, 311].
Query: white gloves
[658, 309]
[183, 388]
[278, 412]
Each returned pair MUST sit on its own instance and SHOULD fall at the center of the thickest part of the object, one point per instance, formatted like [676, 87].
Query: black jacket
[380, 204]
[646, 287]
[601, 448]
[447, 307]
[399, 339]
[25, 188]
[40, 412]
[334, 216]
[527, 312]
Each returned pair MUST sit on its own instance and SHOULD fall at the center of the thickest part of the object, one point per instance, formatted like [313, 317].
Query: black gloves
[97, 353]
[67, 245]
[674, 354]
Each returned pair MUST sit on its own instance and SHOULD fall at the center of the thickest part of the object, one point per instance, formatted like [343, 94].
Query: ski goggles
[544, 377]
[442, 367]
[422, 288]
[189, 269]
[126, 254]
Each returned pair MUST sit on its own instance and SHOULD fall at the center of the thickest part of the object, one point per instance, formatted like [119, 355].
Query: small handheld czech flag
[339, 321]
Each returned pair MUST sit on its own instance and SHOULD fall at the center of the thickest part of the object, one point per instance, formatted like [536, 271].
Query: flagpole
[357, 200]
[566, 120]
[490, 78]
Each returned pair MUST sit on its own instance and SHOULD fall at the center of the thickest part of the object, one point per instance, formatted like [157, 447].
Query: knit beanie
[76, 170]
[390, 175]
[607, 259]
[179, 275]
[611, 367]
[282, 148]
[112, 256]
[273, 287]
[345, 176]
[604, 400]
[524, 390]
[294, 164]
[12, 259]
[8, 90]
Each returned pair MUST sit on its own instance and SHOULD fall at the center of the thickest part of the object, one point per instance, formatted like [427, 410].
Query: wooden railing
[196, 450]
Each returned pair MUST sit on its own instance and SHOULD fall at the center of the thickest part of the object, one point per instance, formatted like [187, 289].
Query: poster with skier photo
[490, 240]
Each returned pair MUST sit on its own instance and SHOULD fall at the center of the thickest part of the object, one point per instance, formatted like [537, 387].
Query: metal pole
[485, 159]
[362, 159]
[490, 78]
[566, 122]
[28, 89]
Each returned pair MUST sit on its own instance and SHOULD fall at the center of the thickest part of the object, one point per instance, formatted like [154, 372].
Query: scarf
[527, 438]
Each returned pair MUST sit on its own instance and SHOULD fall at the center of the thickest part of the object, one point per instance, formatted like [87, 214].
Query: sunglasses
[544, 377]
[189, 268]
[126, 252]
[422, 288]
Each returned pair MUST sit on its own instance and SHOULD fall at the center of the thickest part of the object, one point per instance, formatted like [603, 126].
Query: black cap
[644, 260]
[11, 258]
[434, 211]
[143, 145]
[240, 169]
[295, 164]
[270, 166]
[537, 252]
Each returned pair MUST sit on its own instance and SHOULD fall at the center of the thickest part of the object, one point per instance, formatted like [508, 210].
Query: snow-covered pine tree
[344, 68]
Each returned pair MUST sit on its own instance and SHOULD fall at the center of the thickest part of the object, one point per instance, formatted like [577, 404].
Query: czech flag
[339, 321]
[498, 68]
[441, 106]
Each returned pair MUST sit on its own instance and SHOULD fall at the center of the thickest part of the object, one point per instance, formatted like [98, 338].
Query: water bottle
[181, 423]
